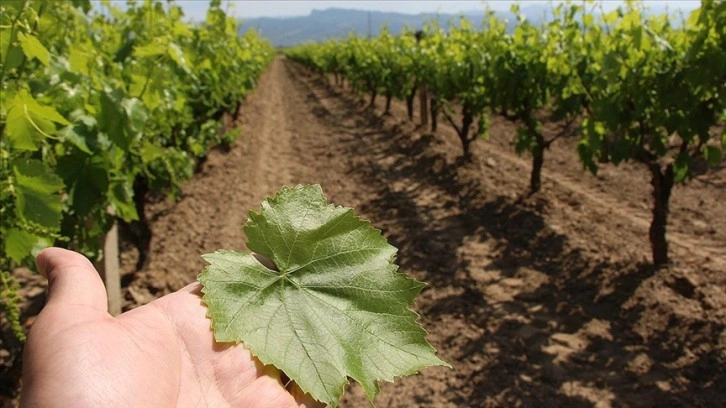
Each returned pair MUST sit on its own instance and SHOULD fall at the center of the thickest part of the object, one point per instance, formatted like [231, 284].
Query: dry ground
[535, 301]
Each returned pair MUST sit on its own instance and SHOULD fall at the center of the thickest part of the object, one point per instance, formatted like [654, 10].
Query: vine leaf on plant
[336, 307]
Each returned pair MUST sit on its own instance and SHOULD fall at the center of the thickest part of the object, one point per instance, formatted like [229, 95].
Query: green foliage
[28, 122]
[385, 64]
[646, 89]
[10, 302]
[658, 92]
[92, 100]
[36, 193]
[334, 307]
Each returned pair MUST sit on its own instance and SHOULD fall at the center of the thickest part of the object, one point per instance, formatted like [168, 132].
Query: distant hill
[332, 23]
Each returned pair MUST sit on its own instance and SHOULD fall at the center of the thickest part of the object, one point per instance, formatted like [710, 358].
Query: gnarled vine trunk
[389, 96]
[535, 180]
[409, 102]
[434, 113]
[374, 93]
[424, 104]
[466, 122]
[662, 182]
[467, 119]
[139, 231]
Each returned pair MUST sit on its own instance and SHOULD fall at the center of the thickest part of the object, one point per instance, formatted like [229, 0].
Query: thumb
[72, 279]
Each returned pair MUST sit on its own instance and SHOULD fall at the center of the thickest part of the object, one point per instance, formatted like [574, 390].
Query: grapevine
[97, 102]
[639, 87]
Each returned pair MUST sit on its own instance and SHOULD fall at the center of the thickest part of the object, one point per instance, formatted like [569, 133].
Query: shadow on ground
[525, 318]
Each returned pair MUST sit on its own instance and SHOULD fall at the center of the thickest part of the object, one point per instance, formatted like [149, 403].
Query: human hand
[159, 355]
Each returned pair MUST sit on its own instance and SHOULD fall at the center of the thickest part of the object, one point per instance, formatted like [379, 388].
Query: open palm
[159, 355]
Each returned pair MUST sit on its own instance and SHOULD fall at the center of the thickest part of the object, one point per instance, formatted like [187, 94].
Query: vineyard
[95, 118]
[559, 188]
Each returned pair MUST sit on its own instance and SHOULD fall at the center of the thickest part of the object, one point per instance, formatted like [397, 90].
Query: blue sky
[195, 9]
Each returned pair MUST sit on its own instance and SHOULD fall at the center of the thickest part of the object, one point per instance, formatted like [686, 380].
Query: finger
[304, 399]
[269, 371]
[72, 279]
[195, 288]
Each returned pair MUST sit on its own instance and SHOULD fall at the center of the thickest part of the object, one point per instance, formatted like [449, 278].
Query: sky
[288, 8]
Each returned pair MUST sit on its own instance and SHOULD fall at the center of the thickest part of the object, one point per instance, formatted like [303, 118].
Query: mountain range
[332, 23]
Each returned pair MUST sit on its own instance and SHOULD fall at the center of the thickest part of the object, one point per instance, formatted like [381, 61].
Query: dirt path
[540, 301]
[275, 150]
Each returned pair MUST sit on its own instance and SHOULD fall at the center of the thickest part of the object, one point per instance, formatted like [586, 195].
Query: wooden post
[423, 93]
[109, 270]
[424, 102]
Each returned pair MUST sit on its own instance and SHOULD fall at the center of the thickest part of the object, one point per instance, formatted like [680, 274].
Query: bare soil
[543, 300]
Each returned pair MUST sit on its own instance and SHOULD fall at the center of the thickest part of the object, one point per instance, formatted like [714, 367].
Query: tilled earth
[543, 300]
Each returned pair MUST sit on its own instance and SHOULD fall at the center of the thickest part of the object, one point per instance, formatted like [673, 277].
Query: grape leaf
[334, 308]
[28, 122]
[33, 48]
[19, 244]
[37, 191]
